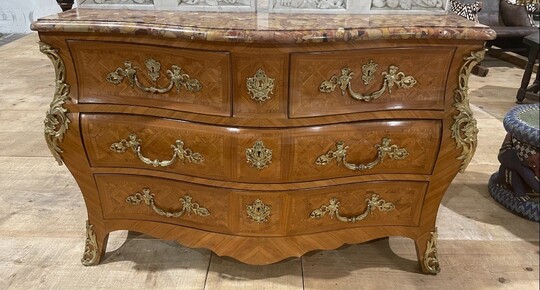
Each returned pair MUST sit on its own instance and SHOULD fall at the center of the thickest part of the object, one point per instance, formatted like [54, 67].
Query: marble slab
[264, 27]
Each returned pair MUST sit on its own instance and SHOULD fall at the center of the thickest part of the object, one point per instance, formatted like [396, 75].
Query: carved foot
[426, 251]
[94, 245]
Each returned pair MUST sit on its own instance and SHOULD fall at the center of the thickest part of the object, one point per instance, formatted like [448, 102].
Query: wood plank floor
[42, 216]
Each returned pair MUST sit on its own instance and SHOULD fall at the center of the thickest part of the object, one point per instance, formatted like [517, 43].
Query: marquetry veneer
[261, 149]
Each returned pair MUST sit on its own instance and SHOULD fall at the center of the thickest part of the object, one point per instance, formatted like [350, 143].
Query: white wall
[16, 15]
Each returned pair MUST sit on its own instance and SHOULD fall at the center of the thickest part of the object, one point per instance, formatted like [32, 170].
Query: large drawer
[154, 76]
[323, 83]
[261, 213]
[261, 155]
[156, 199]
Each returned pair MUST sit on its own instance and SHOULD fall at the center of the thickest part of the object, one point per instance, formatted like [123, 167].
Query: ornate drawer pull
[178, 152]
[383, 149]
[259, 156]
[332, 209]
[187, 206]
[178, 77]
[258, 211]
[259, 86]
[391, 77]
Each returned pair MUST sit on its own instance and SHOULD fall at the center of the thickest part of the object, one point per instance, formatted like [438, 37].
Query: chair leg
[533, 54]
[480, 70]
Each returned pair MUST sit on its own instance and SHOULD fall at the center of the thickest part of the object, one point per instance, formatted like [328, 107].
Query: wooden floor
[42, 216]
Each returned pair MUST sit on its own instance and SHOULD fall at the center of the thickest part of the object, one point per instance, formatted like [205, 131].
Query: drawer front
[371, 148]
[162, 200]
[205, 149]
[264, 155]
[153, 76]
[260, 214]
[261, 83]
[371, 79]
[357, 205]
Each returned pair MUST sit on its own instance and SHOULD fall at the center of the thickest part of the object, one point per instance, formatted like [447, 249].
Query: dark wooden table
[532, 42]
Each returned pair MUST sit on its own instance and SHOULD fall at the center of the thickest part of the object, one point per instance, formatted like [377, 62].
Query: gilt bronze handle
[188, 206]
[391, 78]
[383, 149]
[178, 78]
[178, 152]
[332, 209]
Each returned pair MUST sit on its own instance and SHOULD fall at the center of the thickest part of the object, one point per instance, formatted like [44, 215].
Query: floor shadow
[377, 254]
[151, 255]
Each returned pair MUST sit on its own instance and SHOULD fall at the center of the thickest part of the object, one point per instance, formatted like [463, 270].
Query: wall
[16, 15]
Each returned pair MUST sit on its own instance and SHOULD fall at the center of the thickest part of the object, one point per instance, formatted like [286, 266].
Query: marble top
[264, 27]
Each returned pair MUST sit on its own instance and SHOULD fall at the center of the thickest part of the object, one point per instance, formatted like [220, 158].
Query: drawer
[153, 76]
[343, 150]
[379, 79]
[163, 200]
[396, 203]
[261, 155]
[201, 150]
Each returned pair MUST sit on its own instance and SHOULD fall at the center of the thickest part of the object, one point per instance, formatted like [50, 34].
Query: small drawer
[153, 76]
[343, 82]
[163, 200]
[367, 204]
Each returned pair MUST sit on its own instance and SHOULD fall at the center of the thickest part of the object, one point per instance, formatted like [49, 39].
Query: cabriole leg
[94, 245]
[426, 251]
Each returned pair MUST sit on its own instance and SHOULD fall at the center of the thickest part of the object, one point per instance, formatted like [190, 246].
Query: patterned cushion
[468, 11]
[514, 15]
